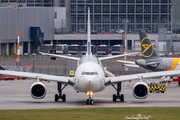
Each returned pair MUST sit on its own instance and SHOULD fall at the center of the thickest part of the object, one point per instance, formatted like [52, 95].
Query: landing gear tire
[60, 95]
[114, 97]
[91, 102]
[64, 97]
[122, 98]
[87, 102]
[157, 91]
[56, 98]
[118, 95]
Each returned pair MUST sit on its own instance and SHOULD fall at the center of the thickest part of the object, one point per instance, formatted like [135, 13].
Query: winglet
[147, 48]
[89, 34]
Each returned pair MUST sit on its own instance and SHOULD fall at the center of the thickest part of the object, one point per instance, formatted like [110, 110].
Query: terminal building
[64, 22]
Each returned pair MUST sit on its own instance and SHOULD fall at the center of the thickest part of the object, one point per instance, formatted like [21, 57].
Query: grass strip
[157, 113]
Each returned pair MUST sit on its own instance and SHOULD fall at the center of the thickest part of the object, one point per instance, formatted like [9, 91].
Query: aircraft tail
[88, 35]
[148, 51]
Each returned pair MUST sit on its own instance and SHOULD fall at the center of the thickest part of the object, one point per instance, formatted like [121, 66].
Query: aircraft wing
[141, 76]
[115, 56]
[47, 77]
[61, 56]
[129, 62]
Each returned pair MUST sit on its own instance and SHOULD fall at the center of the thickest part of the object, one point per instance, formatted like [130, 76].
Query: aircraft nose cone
[90, 83]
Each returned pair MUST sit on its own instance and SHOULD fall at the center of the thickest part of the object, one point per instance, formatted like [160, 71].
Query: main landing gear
[60, 96]
[89, 101]
[118, 96]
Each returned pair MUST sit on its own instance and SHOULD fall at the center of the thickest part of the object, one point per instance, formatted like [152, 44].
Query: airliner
[151, 60]
[90, 77]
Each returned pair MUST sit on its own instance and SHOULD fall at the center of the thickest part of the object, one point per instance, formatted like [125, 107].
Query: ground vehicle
[117, 49]
[74, 49]
[84, 49]
[61, 48]
[46, 48]
[175, 79]
[120, 31]
[158, 87]
[103, 50]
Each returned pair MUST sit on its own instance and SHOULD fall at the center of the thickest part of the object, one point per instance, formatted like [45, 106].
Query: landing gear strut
[89, 101]
[60, 96]
[118, 96]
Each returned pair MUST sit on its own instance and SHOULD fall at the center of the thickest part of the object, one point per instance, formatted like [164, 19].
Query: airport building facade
[24, 19]
[107, 18]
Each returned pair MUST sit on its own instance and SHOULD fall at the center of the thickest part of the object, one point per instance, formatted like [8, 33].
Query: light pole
[18, 40]
[125, 41]
[171, 28]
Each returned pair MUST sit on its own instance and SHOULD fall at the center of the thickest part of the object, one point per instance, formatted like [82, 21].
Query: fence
[60, 66]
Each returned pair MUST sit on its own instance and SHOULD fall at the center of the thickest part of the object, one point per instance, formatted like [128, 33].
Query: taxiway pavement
[16, 95]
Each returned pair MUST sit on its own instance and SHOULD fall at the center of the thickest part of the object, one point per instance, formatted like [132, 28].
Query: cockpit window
[96, 73]
[82, 73]
[89, 73]
[86, 73]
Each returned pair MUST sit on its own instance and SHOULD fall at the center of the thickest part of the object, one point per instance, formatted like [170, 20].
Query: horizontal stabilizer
[152, 63]
[128, 65]
[129, 62]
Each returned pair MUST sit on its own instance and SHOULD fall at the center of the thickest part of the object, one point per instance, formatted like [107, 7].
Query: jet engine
[140, 90]
[38, 90]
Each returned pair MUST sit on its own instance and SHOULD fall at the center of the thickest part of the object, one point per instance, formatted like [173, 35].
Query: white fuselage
[89, 75]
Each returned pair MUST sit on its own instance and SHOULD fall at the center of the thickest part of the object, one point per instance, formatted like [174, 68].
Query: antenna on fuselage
[89, 35]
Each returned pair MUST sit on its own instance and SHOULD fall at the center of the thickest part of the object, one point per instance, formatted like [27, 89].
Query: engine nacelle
[140, 90]
[38, 90]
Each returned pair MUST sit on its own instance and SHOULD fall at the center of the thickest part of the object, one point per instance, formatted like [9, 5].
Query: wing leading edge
[116, 56]
[60, 56]
[141, 76]
[47, 77]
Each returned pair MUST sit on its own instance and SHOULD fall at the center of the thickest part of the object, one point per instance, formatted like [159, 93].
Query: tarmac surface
[16, 95]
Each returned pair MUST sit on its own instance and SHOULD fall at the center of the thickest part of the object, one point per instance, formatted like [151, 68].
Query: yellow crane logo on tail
[146, 48]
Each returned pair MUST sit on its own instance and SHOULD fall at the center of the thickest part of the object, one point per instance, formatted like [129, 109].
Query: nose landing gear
[89, 101]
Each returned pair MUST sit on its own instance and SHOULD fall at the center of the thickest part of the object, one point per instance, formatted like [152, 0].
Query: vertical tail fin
[147, 48]
[89, 34]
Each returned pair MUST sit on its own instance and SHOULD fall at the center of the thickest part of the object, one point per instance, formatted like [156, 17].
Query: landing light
[89, 93]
